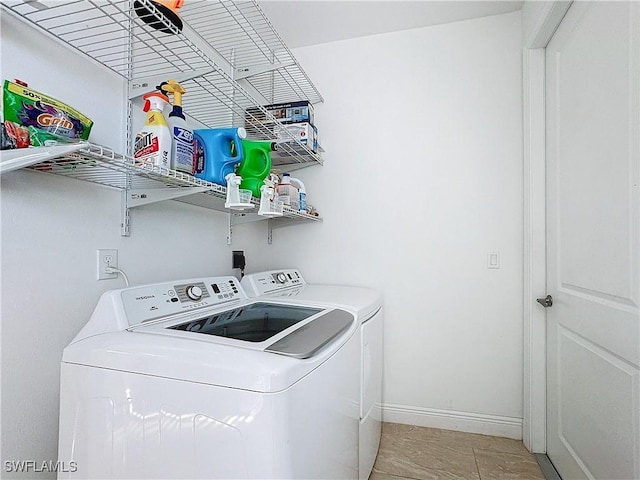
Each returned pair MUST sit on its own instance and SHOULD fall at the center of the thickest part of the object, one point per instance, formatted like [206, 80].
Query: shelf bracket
[136, 197]
[124, 215]
[144, 196]
[142, 86]
[246, 72]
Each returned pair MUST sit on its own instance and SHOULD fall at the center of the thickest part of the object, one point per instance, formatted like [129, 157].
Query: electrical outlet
[107, 258]
[238, 259]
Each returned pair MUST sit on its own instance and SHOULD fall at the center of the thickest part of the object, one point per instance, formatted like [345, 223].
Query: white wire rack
[140, 185]
[227, 56]
[101, 165]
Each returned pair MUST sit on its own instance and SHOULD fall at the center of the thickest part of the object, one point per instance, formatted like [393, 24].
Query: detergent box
[305, 133]
[286, 113]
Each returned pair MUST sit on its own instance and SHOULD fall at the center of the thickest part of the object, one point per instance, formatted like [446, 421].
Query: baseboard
[495, 425]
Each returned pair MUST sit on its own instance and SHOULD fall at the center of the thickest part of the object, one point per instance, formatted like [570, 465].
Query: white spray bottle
[236, 201]
[268, 198]
[182, 136]
[152, 145]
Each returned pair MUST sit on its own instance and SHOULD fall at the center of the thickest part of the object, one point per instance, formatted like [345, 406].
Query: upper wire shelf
[227, 56]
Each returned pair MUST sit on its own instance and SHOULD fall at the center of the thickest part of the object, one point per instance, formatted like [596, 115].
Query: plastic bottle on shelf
[152, 145]
[302, 193]
[217, 152]
[288, 193]
[237, 199]
[256, 164]
[270, 205]
[181, 134]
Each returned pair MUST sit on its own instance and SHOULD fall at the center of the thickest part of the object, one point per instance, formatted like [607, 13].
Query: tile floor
[408, 452]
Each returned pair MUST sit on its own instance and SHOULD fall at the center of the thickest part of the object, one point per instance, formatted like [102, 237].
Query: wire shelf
[227, 56]
[102, 166]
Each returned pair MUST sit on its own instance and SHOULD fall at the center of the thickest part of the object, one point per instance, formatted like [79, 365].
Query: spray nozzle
[155, 100]
[173, 87]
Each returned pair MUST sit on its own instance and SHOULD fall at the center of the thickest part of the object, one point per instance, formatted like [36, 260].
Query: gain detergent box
[49, 120]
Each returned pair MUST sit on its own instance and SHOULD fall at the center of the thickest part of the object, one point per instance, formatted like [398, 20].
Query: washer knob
[281, 277]
[194, 292]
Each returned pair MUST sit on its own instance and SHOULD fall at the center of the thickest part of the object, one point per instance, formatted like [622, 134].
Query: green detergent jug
[256, 164]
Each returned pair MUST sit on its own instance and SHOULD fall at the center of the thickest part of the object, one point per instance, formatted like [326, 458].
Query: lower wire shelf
[141, 185]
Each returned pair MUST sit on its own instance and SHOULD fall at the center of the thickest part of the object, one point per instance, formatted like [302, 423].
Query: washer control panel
[149, 302]
[257, 284]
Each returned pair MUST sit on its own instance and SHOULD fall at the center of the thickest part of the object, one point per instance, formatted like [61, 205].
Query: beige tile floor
[408, 452]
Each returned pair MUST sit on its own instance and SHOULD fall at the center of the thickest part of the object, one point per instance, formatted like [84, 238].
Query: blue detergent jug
[217, 152]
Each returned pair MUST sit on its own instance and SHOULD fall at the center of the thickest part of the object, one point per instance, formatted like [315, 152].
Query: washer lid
[277, 328]
[311, 337]
[271, 365]
[255, 322]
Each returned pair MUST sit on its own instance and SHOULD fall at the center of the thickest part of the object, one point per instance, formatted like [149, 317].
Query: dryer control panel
[149, 302]
[257, 284]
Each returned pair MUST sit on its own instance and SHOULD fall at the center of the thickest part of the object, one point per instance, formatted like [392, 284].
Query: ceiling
[309, 22]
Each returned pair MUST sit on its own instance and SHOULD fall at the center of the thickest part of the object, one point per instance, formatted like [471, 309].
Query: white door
[593, 242]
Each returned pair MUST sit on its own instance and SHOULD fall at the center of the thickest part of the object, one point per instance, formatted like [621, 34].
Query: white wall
[422, 179]
[51, 228]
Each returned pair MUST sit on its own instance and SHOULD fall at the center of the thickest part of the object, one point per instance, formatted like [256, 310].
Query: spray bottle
[302, 193]
[181, 134]
[270, 206]
[237, 199]
[152, 145]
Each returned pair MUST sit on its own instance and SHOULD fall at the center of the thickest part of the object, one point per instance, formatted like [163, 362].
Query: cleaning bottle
[181, 134]
[237, 199]
[217, 152]
[288, 193]
[302, 193]
[270, 206]
[256, 164]
[152, 145]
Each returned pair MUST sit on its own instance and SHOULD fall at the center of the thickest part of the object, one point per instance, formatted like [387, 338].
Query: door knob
[546, 302]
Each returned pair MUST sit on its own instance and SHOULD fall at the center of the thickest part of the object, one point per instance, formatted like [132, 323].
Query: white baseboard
[495, 425]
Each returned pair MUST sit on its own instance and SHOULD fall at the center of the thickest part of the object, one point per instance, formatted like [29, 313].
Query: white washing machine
[366, 305]
[193, 379]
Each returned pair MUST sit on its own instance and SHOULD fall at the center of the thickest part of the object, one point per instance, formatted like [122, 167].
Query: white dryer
[366, 304]
[192, 379]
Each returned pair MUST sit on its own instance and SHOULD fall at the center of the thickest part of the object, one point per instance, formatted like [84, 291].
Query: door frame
[534, 428]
